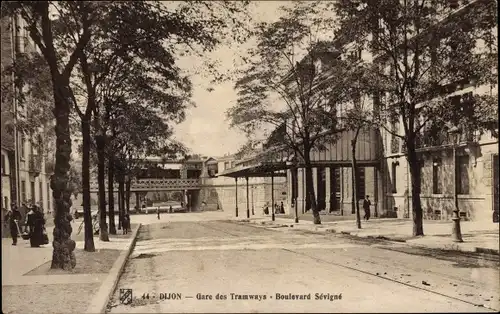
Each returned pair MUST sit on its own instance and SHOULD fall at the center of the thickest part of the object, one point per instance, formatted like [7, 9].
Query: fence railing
[155, 185]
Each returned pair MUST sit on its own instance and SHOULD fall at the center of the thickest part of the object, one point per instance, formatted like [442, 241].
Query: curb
[487, 251]
[273, 225]
[105, 292]
[451, 248]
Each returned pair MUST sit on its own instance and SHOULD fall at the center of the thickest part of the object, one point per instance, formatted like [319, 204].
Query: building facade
[384, 172]
[25, 167]
[226, 193]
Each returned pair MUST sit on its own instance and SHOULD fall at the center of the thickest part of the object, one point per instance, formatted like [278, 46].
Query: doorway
[321, 184]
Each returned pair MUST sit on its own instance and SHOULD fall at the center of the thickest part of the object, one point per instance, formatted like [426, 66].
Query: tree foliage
[423, 51]
[93, 35]
[293, 83]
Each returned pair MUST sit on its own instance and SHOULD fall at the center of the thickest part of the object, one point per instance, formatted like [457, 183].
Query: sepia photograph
[251, 156]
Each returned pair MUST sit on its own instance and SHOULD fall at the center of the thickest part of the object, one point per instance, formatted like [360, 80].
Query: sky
[206, 130]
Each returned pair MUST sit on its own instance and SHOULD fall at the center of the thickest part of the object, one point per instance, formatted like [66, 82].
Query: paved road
[251, 265]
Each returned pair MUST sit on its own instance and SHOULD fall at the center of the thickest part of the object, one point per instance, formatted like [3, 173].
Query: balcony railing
[437, 139]
[35, 164]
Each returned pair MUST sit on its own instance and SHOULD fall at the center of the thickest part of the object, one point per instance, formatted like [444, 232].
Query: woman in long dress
[36, 223]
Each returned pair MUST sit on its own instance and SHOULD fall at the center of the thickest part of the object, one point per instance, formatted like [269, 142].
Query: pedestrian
[12, 218]
[266, 209]
[171, 210]
[126, 223]
[282, 208]
[36, 225]
[366, 207]
[158, 212]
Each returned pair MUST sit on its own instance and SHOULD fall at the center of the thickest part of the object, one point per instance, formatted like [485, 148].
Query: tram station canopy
[261, 169]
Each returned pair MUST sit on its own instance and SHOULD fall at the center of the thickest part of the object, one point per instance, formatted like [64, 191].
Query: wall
[223, 191]
[478, 204]
[6, 197]
[42, 196]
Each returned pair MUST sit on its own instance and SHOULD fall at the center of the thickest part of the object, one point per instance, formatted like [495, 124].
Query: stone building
[226, 193]
[25, 170]
[384, 172]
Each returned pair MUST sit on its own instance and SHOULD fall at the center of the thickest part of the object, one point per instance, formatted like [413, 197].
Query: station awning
[262, 169]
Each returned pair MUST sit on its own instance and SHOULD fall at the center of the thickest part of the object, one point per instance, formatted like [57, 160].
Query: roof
[262, 169]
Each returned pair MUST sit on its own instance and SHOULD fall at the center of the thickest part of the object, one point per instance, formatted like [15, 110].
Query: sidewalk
[477, 236]
[30, 286]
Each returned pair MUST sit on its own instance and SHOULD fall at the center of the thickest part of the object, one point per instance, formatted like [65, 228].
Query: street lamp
[293, 167]
[456, 232]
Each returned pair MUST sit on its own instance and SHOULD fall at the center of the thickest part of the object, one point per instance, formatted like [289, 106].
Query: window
[23, 147]
[23, 191]
[193, 173]
[376, 104]
[394, 139]
[356, 54]
[212, 169]
[360, 186]
[393, 176]
[4, 164]
[437, 172]
[463, 174]
[226, 165]
[32, 185]
[6, 202]
[20, 35]
[337, 180]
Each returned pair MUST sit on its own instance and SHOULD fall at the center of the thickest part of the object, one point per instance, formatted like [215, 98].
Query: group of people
[278, 209]
[34, 224]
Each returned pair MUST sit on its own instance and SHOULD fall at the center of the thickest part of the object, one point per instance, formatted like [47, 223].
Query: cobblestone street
[181, 259]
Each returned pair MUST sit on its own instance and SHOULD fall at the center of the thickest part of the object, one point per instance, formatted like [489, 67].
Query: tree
[145, 34]
[422, 53]
[44, 31]
[138, 132]
[309, 88]
[357, 117]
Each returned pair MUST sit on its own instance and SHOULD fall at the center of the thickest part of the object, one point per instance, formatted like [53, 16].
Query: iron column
[236, 180]
[248, 201]
[272, 196]
[456, 233]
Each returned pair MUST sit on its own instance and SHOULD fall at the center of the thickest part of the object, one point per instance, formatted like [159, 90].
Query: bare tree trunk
[101, 167]
[63, 256]
[87, 218]
[355, 201]
[127, 195]
[310, 188]
[111, 195]
[121, 196]
[414, 164]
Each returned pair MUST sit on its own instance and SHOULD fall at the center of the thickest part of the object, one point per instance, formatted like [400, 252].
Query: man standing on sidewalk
[12, 218]
[366, 207]
[158, 212]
